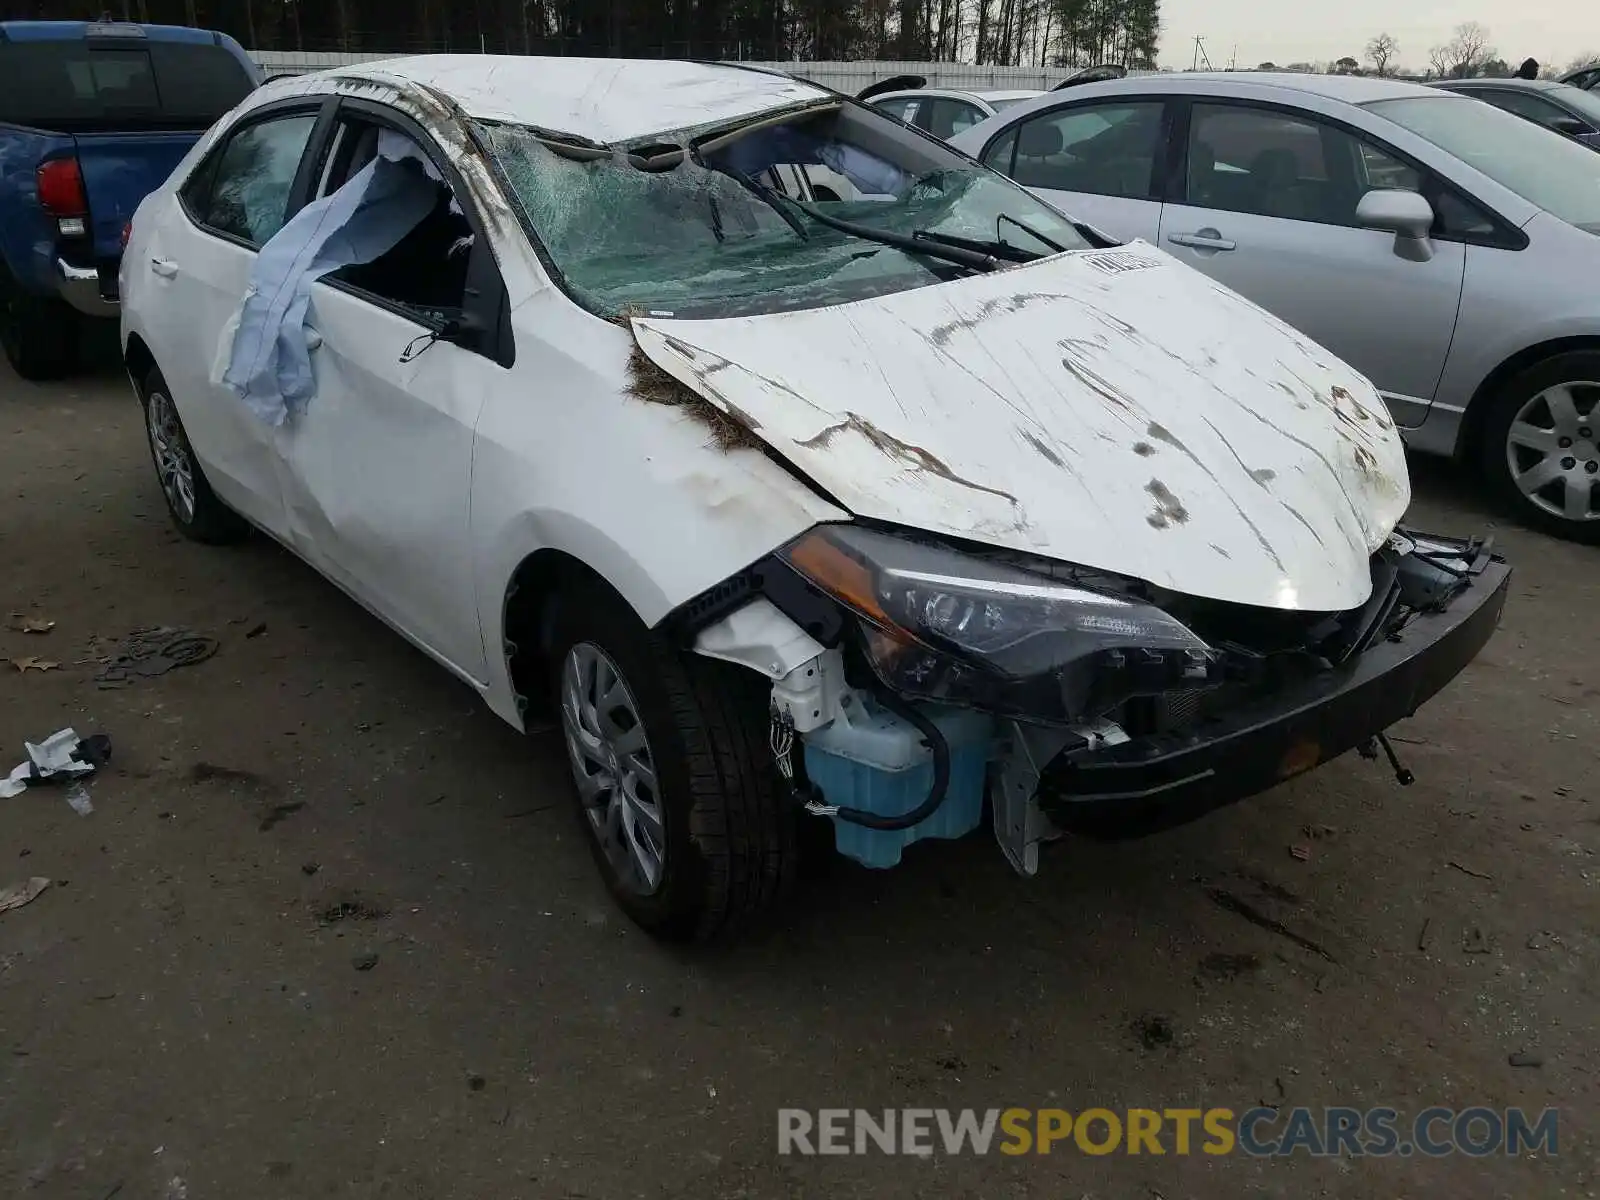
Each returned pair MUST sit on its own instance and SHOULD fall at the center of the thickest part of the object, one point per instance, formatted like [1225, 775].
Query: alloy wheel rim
[173, 466]
[613, 767]
[1553, 450]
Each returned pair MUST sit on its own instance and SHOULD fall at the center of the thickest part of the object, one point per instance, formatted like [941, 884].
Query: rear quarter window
[71, 85]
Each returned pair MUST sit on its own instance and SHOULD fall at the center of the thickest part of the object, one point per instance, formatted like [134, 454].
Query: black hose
[941, 773]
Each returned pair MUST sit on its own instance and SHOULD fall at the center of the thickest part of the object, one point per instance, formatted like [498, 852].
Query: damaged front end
[913, 679]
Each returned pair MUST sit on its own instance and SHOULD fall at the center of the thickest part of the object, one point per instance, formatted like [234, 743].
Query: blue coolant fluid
[871, 759]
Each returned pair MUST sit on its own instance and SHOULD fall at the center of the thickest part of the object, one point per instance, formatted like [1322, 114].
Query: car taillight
[61, 188]
[61, 195]
[127, 234]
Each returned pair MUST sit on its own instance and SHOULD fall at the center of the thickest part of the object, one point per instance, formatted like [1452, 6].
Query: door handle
[164, 267]
[1206, 239]
[313, 339]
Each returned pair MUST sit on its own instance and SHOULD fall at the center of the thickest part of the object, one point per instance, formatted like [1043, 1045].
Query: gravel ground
[331, 929]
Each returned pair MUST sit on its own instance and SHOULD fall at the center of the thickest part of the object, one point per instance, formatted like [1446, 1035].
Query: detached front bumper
[1156, 782]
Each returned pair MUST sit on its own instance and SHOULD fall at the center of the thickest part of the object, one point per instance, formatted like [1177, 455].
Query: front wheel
[1541, 447]
[678, 794]
[195, 509]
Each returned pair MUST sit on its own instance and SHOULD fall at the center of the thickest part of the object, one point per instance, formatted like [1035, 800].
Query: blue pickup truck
[93, 117]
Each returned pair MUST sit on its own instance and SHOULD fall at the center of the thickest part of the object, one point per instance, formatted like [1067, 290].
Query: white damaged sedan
[885, 512]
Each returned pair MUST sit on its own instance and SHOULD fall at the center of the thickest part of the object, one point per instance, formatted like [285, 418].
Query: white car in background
[1446, 249]
[945, 112]
[793, 511]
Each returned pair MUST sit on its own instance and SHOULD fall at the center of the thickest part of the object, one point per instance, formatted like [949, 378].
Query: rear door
[1099, 161]
[197, 261]
[377, 468]
[1266, 202]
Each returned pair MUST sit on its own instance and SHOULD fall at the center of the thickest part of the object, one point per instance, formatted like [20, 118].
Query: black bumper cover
[1157, 782]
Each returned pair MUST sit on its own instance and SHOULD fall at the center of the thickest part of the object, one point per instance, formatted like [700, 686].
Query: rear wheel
[39, 333]
[195, 509]
[1542, 445]
[677, 791]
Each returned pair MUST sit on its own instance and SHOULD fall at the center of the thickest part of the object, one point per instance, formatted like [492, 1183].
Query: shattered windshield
[771, 217]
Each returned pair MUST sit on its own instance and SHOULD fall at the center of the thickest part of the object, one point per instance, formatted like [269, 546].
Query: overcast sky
[1554, 30]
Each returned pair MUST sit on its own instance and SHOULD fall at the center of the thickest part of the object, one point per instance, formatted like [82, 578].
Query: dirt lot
[182, 1015]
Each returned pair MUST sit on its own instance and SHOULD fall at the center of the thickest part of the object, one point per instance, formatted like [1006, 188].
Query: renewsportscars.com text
[1260, 1132]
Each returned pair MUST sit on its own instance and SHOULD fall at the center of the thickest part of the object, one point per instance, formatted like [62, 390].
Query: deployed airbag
[265, 356]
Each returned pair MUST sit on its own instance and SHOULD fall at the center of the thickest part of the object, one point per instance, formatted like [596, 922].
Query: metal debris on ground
[22, 893]
[22, 623]
[153, 651]
[1300, 853]
[60, 757]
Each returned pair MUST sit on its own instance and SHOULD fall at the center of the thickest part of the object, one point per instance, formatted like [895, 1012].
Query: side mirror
[1570, 126]
[1405, 214]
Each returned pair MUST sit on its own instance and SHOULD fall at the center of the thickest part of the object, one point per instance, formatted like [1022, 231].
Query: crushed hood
[1111, 408]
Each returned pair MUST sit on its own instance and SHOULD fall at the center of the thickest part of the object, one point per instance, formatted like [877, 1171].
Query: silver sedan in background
[1445, 248]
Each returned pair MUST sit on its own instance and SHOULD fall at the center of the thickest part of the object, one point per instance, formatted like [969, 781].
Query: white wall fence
[848, 77]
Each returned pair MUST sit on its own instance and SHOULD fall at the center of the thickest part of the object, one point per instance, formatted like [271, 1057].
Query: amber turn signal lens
[1299, 758]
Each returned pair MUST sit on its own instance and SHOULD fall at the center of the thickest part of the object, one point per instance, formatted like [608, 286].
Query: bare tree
[1381, 51]
[1464, 55]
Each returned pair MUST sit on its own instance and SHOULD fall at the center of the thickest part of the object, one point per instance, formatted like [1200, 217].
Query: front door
[377, 464]
[1269, 202]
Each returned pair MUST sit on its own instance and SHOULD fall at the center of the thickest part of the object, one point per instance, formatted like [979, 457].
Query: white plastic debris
[48, 759]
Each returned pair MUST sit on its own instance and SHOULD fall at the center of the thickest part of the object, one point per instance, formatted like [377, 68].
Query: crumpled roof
[604, 99]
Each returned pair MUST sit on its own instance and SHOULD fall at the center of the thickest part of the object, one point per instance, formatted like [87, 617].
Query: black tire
[1577, 367]
[211, 521]
[39, 333]
[729, 823]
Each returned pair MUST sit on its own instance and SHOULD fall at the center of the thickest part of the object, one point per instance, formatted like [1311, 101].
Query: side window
[1458, 218]
[1102, 149]
[947, 117]
[1535, 109]
[999, 154]
[1378, 170]
[245, 190]
[425, 267]
[1276, 164]
[902, 109]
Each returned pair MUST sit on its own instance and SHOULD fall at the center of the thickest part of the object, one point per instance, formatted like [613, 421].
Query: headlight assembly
[946, 626]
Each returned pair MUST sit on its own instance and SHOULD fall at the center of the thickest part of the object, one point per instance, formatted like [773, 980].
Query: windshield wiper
[1054, 245]
[977, 259]
[994, 249]
[772, 199]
